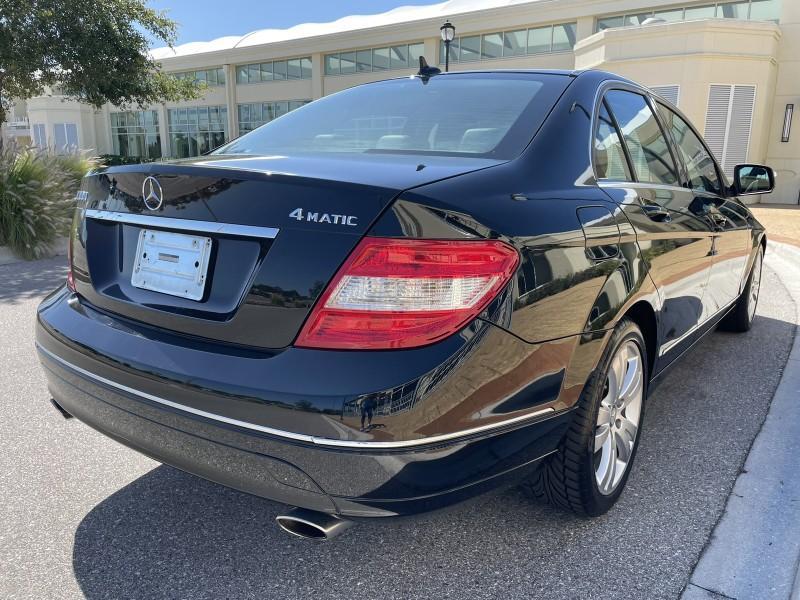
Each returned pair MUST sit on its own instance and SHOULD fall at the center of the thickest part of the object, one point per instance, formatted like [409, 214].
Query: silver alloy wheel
[755, 284]
[618, 417]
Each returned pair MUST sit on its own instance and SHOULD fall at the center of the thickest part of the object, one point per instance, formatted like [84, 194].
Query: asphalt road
[85, 517]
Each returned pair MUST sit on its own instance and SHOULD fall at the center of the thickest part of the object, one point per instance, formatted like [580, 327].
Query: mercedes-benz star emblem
[152, 193]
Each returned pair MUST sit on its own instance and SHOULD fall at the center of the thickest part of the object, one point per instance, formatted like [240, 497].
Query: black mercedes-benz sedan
[406, 293]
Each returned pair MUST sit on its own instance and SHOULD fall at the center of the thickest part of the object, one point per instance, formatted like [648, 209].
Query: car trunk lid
[277, 229]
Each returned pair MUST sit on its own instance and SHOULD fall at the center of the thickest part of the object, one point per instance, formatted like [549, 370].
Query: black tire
[740, 318]
[567, 478]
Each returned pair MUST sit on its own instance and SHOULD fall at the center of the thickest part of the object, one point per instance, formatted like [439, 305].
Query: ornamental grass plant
[37, 197]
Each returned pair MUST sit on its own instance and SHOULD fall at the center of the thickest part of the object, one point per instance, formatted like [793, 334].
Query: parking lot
[86, 517]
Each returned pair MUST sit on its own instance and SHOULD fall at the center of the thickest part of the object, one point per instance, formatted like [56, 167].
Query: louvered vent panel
[719, 100]
[739, 124]
[671, 93]
[728, 123]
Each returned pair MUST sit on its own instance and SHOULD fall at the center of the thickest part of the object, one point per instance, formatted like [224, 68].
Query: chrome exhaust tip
[60, 409]
[312, 525]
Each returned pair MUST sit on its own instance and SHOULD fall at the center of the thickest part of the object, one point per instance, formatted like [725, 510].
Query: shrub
[37, 197]
[75, 166]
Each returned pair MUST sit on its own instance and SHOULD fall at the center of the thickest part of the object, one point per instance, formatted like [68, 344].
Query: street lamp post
[448, 32]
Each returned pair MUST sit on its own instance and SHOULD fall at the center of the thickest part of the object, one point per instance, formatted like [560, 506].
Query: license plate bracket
[171, 263]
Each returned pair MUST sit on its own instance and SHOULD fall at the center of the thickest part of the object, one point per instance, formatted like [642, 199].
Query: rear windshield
[479, 114]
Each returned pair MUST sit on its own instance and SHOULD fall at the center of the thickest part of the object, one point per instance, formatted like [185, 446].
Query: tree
[95, 51]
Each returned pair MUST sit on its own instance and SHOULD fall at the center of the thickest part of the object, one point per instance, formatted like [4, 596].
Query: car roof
[567, 72]
[600, 75]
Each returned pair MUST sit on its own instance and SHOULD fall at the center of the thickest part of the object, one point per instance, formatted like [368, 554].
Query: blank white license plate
[171, 263]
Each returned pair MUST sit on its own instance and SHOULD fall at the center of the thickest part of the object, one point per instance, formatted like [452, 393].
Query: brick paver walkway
[782, 221]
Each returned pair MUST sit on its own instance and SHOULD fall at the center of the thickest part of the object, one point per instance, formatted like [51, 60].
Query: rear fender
[580, 269]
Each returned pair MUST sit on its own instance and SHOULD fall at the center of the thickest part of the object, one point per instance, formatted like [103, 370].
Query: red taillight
[70, 276]
[398, 293]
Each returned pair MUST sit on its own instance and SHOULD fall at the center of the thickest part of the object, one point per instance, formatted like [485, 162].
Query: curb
[754, 550]
[59, 248]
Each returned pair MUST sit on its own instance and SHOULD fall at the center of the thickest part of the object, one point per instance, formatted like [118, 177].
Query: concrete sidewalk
[754, 551]
[59, 248]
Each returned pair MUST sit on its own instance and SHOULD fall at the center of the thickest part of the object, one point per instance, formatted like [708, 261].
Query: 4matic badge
[316, 217]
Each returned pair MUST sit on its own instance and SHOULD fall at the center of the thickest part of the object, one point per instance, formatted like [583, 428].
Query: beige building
[732, 66]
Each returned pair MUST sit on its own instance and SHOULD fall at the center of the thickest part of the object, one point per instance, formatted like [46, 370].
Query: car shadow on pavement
[26, 280]
[171, 535]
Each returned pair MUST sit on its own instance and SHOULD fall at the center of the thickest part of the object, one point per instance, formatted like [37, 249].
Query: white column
[585, 27]
[109, 135]
[317, 76]
[432, 51]
[163, 131]
[230, 100]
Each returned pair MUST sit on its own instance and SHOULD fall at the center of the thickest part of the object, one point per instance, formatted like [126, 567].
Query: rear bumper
[351, 480]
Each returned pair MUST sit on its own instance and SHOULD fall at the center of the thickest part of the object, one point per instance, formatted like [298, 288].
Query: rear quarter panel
[581, 267]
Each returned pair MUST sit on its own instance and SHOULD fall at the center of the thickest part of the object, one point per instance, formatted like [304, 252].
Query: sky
[202, 20]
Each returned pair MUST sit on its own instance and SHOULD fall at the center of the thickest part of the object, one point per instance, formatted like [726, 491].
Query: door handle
[657, 213]
[713, 251]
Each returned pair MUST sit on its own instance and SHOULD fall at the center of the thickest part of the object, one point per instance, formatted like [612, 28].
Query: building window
[256, 114]
[274, 70]
[402, 56]
[39, 135]
[211, 77]
[700, 12]
[638, 19]
[398, 57]
[470, 48]
[347, 62]
[670, 15]
[729, 120]
[380, 59]
[66, 137]
[564, 37]
[734, 10]
[515, 43]
[540, 40]
[765, 10]
[491, 46]
[507, 44]
[753, 10]
[196, 130]
[135, 134]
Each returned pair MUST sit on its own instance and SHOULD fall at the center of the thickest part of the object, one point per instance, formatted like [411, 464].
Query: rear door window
[610, 163]
[699, 164]
[647, 145]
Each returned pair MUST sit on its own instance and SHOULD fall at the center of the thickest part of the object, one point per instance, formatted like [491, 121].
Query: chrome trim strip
[296, 436]
[182, 224]
[159, 400]
[434, 438]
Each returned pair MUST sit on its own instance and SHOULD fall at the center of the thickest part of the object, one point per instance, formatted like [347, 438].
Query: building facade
[732, 66]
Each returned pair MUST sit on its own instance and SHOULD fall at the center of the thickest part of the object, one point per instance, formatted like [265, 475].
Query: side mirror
[749, 180]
